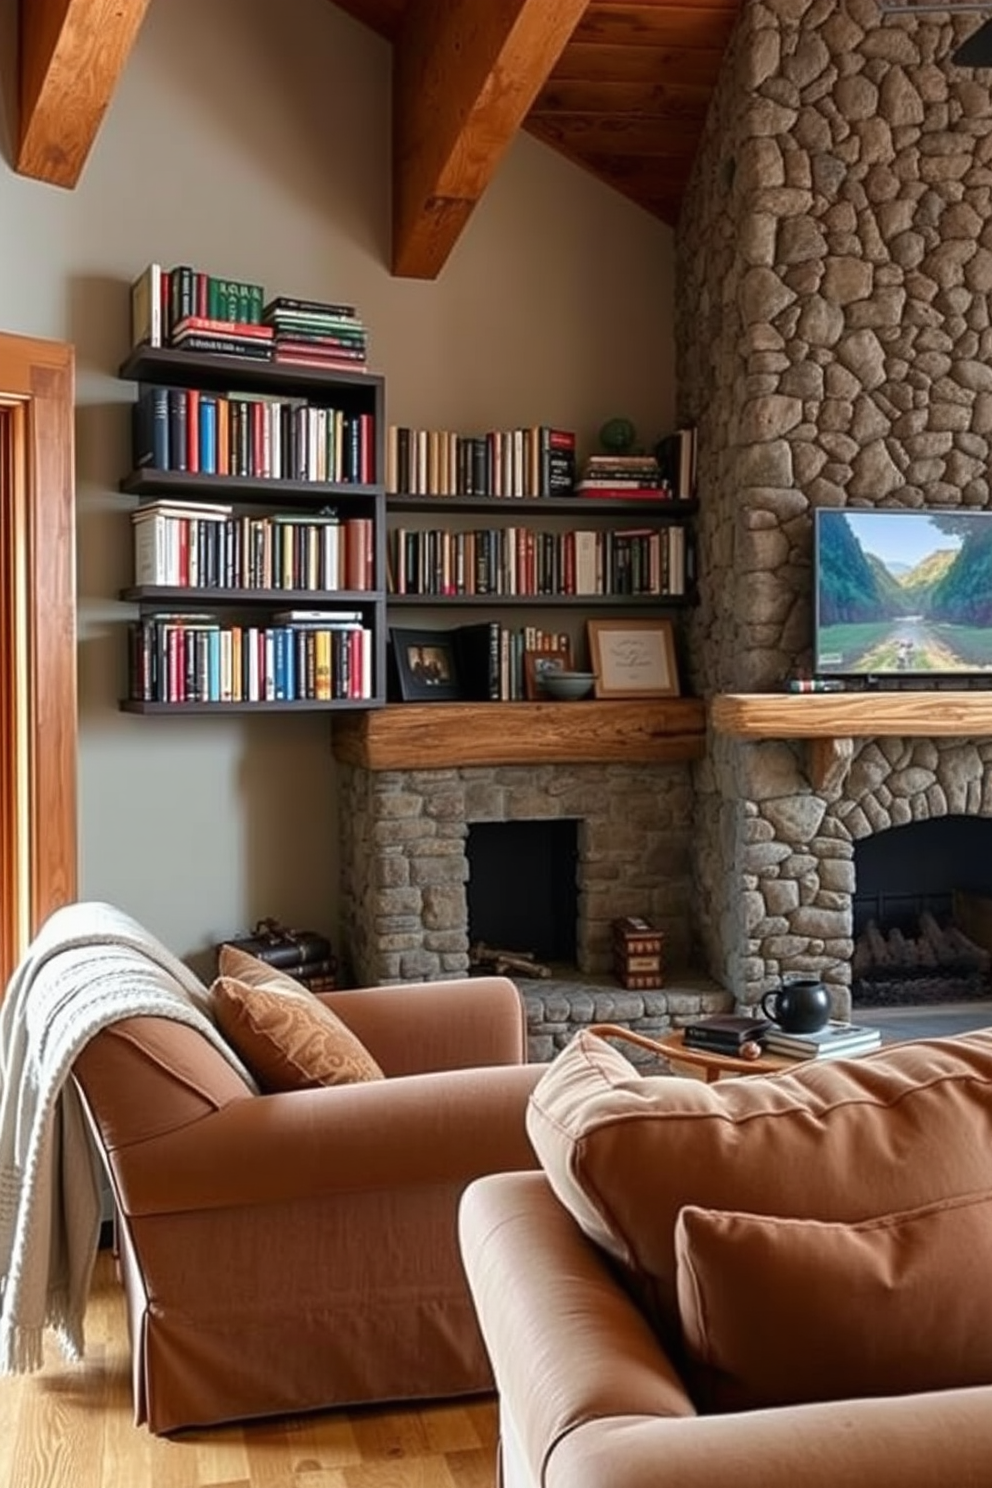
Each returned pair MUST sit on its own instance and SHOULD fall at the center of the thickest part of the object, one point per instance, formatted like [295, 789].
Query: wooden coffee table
[705, 1064]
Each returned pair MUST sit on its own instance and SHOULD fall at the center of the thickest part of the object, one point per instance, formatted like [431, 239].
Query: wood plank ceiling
[619, 88]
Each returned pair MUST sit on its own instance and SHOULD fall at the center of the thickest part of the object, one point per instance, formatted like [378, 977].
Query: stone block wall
[834, 347]
[404, 865]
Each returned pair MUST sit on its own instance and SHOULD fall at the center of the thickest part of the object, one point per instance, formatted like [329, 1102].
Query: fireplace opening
[522, 890]
[923, 913]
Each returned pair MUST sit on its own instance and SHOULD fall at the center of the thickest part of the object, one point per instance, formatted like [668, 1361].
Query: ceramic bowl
[568, 686]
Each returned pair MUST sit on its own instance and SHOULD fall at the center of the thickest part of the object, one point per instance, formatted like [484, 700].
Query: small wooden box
[637, 954]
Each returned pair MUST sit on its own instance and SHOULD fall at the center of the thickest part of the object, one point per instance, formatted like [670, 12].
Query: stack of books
[314, 333]
[836, 1041]
[725, 1033]
[304, 955]
[623, 477]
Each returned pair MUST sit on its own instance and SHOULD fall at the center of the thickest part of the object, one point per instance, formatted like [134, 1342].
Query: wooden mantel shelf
[437, 736]
[832, 720]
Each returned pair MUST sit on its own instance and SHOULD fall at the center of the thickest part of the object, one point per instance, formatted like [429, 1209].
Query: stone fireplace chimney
[834, 348]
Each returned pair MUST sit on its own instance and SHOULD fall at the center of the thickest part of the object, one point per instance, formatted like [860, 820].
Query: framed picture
[539, 661]
[426, 665]
[633, 658]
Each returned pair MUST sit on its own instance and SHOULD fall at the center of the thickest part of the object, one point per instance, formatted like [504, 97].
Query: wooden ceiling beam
[72, 55]
[464, 78]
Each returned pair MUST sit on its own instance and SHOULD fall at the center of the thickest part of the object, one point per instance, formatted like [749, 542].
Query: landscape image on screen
[903, 592]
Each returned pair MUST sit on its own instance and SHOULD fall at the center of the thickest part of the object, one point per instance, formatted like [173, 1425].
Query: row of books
[677, 456]
[491, 658]
[188, 308]
[519, 560]
[525, 462]
[187, 429]
[191, 545]
[197, 658]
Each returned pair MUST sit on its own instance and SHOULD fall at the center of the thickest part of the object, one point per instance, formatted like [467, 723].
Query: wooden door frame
[38, 726]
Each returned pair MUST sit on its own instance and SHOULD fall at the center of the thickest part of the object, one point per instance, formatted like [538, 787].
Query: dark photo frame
[425, 665]
[537, 662]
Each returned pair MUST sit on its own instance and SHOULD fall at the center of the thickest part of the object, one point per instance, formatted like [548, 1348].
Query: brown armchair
[297, 1251]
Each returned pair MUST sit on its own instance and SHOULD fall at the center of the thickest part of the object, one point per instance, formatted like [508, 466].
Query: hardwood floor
[70, 1426]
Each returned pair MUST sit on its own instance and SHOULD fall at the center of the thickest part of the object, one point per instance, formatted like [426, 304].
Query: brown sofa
[294, 1251]
[771, 1282]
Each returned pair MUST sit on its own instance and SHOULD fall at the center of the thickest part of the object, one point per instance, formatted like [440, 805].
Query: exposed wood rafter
[72, 55]
[464, 78]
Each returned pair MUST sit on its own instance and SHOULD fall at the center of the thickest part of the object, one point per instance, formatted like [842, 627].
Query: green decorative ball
[617, 436]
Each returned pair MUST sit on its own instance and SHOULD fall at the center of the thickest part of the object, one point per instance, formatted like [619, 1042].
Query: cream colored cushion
[847, 1140]
[785, 1311]
[288, 1039]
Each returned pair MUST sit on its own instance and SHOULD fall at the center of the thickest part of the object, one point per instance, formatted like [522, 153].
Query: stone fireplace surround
[833, 347]
[404, 901]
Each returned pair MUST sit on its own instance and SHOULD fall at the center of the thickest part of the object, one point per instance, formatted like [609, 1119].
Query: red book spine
[192, 429]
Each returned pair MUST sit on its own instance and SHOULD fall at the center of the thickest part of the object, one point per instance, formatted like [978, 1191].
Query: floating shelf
[776, 715]
[831, 721]
[437, 736]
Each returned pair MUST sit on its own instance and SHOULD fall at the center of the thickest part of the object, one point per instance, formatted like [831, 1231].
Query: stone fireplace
[835, 349]
[405, 841]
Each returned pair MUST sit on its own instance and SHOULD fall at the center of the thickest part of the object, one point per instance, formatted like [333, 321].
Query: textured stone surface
[405, 869]
[843, 266]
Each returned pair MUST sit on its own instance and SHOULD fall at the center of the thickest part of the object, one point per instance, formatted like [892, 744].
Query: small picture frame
[426, 665]
[537, 662]
[633, 658]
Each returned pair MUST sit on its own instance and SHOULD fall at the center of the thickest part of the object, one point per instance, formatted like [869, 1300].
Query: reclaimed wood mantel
[831, 721]
[437, 736]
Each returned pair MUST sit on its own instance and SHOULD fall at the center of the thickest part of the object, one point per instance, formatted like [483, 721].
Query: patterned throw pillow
[288, 1039]
[254, 972]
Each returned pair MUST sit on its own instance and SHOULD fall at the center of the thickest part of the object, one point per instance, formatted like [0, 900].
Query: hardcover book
[835, 1038]
[724, 1033]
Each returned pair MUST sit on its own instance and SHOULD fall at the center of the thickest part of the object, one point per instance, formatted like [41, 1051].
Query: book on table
[725, 1033]
[835, 1039]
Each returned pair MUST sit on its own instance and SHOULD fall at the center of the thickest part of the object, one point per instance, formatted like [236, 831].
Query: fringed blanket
[90, 965]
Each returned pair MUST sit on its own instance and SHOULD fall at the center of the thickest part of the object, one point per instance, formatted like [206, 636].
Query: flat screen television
[902, 593]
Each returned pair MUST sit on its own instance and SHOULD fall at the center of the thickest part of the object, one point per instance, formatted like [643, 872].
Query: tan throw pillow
[785, 1311]
[253, 972]
[289, 1040]
[847, 1140]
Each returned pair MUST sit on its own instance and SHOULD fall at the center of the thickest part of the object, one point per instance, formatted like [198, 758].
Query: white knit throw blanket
[90, 965]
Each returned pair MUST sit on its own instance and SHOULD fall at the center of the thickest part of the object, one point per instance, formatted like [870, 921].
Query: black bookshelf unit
[258, 501]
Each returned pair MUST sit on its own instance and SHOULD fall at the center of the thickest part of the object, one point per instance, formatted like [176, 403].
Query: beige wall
[252, 139]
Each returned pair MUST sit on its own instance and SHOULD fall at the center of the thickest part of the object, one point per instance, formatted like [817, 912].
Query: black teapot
[800, 1006]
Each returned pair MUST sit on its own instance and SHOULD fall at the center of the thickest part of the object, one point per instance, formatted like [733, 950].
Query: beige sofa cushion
[289, 1039]
[846, 1141]
[786, 1311]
